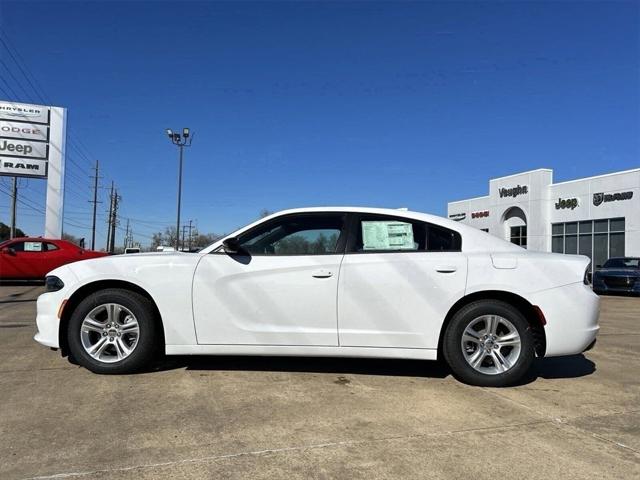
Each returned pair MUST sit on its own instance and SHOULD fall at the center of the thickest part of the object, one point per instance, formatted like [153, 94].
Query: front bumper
[572, 313]
[48, 307]
[47, 319]
[600, 287]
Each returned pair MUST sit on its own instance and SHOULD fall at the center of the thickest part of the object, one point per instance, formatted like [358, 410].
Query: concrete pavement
[225, 417]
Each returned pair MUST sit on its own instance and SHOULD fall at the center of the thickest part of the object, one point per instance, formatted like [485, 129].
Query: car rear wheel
[113, 331]
[489, 343]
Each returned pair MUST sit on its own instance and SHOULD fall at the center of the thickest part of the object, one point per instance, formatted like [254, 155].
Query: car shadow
[572, 366]
[548, 368]
[20, 283]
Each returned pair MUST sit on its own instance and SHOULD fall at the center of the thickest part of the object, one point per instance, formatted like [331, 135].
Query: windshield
[622, 263]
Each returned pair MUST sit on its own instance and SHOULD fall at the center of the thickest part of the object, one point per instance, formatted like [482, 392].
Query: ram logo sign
[20, 167]
[600, 198]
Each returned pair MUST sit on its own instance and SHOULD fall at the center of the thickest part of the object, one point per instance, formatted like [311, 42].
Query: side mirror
[8, 251]
[598, 266]
[231, 245]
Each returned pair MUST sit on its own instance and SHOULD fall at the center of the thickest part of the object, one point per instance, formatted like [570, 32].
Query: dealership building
[595, 216]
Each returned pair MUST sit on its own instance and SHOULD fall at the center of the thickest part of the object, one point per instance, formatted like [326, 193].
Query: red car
[29, 258]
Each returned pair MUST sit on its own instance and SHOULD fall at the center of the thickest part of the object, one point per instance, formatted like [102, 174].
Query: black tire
[455, 357]
[148, 340]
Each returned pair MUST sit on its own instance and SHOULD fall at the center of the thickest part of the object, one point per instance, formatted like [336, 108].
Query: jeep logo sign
[566, 203]
[513, 192]
[22, 148]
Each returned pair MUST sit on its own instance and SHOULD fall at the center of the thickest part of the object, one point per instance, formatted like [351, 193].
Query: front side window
[380, 233]
[295, 235]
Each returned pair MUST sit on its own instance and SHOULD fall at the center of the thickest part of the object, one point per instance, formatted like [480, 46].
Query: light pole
[181, 140]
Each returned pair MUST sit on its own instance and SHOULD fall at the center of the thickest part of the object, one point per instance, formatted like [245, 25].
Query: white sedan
[351, 282]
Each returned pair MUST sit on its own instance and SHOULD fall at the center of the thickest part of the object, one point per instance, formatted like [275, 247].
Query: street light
[181, 140]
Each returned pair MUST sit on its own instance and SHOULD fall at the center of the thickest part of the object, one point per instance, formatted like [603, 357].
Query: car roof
[401, 212]
[474, 239]
[34, 239]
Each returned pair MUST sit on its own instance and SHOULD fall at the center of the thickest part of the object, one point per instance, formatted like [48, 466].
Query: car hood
[618, 272]
[132, 265]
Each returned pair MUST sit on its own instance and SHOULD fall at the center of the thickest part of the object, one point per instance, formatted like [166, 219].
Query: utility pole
[95, 204]
[114, 222]
[126, 235]
[14, 202]
[189, 235]
[184, 227]
[110, 217]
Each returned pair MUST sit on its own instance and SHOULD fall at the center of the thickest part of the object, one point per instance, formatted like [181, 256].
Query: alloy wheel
[491, 344]
[109, 333]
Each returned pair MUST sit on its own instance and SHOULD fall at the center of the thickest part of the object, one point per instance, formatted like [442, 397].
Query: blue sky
[300, 104]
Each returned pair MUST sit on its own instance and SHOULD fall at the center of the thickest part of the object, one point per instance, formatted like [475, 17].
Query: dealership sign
[600, 198]
[20, 167]
[24, 139]
[32, 144]
[24, 113]
[513, 192]
[481, 214]
[570, 203]
[24, 131]
[458, 216]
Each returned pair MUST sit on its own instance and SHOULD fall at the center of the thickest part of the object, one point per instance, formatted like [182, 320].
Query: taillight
[587, 275]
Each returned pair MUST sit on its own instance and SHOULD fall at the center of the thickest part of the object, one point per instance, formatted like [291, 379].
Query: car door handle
[322, 273]
[445, 269]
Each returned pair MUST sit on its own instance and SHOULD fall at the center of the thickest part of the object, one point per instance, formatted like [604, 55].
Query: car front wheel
[489, 343]
[113, 331]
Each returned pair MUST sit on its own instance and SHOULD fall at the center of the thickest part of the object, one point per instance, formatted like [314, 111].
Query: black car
[618, 275]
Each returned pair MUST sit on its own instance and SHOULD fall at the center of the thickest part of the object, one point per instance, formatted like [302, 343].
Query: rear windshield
[622, 263]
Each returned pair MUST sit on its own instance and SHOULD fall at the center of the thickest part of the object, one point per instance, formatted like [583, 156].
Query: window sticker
[387, 235]
[32, 246]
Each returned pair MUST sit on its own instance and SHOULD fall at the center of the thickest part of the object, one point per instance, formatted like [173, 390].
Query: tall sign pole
[14, 201]
[55, 181]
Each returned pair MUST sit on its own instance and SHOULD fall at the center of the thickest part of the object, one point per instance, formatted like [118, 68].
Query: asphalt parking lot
[577, 417]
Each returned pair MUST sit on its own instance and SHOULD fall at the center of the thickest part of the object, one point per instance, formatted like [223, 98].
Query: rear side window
[381, 233]
[440, 239]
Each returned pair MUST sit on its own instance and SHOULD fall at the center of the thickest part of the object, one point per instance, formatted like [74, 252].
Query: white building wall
[585, 189]
[539, 201]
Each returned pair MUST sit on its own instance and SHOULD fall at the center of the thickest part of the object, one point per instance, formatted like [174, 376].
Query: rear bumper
[572, 313]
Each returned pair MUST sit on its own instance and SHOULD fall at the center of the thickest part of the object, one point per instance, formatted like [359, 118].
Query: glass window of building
[597, 239]
[519, 235]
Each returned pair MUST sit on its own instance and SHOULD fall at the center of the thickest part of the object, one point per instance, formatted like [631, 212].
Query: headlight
[53, 284]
